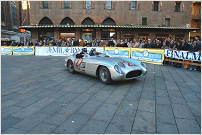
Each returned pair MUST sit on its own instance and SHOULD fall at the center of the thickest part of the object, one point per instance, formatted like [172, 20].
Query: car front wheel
[104, 75]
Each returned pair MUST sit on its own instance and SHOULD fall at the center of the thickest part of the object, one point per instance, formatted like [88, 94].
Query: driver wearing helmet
[93, 52]
[82, 54]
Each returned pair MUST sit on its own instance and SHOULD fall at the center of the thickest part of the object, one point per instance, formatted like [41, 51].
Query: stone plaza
[40, 96]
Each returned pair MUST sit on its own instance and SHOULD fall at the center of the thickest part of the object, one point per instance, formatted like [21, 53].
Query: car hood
[117, 60]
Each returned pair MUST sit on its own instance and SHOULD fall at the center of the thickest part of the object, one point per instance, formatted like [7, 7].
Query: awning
[105, 26]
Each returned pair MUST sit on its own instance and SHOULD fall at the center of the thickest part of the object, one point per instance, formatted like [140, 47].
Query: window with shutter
[156, 6]
[108, 4]
[45, 4]
[66, 4]
[144, 20]
[88, 4]
[133, 5]
[177, 6]
[167, 22]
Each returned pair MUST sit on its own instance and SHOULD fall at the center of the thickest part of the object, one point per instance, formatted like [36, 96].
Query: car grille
[135, 73]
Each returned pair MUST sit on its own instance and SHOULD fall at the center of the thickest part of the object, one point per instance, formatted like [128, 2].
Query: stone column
[186, 36]
[77, 34]
[118, 34]
[56, 34]
[98, 34]
[136, 35]
[34, 36]
[121, 34]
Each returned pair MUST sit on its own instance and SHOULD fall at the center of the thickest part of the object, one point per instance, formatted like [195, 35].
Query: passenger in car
[82, 54]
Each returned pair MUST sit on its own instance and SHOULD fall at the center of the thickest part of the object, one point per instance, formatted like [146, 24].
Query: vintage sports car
[106, 68]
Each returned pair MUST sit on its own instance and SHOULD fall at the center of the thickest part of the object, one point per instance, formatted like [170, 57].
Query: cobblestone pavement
[40, 96]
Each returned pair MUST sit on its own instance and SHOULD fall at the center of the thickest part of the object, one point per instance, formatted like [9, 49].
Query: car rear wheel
[104, 75]
[70, 66]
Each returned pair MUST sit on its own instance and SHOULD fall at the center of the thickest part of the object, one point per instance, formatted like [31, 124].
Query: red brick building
[104, 19]
[196, 18]
[11, 19]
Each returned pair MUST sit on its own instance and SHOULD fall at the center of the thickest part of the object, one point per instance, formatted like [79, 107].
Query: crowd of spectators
[194, 45]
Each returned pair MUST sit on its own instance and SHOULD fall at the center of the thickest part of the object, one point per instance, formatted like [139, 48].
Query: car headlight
[121, 65]
[143, 64]
[118, 69]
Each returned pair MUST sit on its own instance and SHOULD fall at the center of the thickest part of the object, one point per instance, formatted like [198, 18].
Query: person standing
[13, 43]
[135, 43]
[164, 46]
[111, 43]
[81, 43]
[142, 44]
[130, 44]
[97, 43]
[115, 43]
[149, 44]
[194, 48]
[185, 46]
[159, 44]
[30, 43]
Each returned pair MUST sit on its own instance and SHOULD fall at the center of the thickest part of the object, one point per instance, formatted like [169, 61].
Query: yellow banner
[6, 50]
[118, 51]
[23, 50]
[154, 56]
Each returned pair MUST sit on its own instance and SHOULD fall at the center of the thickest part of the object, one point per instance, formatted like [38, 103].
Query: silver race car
[104, 67]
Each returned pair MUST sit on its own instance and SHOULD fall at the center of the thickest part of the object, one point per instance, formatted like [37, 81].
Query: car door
[80, 64]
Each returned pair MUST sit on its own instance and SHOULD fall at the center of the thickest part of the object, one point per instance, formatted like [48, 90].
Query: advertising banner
[6, 50]
[154, 56]
[117, 52]
[62, 51]
[24, 50]
[183, 55]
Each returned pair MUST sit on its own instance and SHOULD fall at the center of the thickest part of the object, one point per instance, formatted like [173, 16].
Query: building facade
[196, 18]
[11, 19]
[91, 20]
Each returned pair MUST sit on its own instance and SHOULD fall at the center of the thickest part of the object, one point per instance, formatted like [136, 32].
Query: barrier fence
[62, 51]
[23, 50]
[6, 50]
[184, 57]
[118, 51]
[10, 50]
[154, 56]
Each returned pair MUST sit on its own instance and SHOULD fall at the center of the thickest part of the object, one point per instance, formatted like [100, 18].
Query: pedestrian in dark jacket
[172, 45]
[111, 43]
[159, 44]
[13, 43]
[30, 43]
[76, 43]
[195, 47]
[178, 46]
[185, 46]
[149, 44]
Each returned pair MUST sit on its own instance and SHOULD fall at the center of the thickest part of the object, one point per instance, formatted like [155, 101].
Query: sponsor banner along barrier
[24, 50]
[62, 51]
[117, 52]
[154, 56]
[183, 55]
[6, 50]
